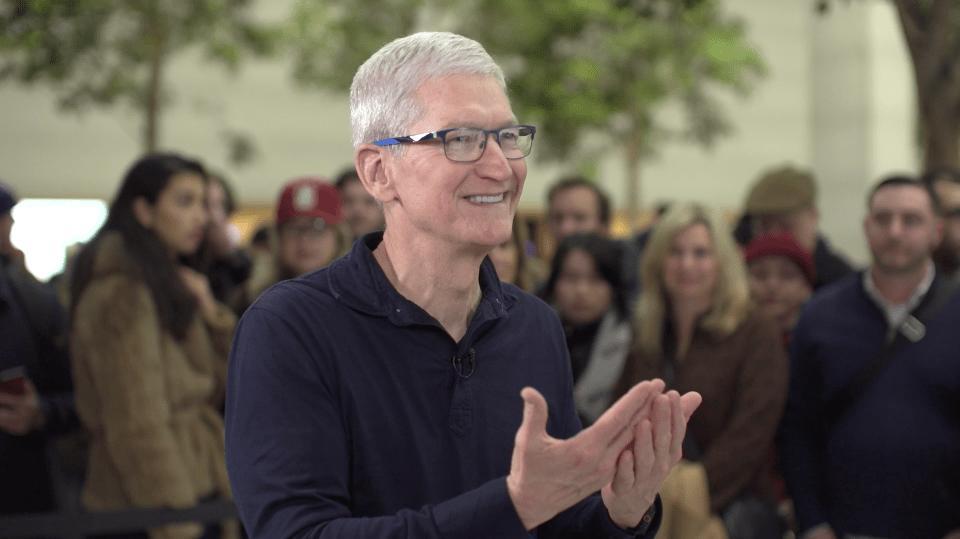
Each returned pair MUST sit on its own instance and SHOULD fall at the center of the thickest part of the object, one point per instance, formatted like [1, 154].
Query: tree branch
[914, 36]
[940, 22]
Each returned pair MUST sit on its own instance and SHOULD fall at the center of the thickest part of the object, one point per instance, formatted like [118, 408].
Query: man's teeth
[486, 200]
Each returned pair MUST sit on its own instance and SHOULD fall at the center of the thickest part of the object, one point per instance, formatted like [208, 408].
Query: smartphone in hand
[13, 381]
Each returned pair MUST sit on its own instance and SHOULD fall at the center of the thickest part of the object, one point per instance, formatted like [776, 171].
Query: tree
[932, 32]
[591, 74]
[108, 52]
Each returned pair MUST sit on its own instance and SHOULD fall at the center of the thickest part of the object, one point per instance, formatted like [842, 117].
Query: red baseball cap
[783, 244]
[311, 197]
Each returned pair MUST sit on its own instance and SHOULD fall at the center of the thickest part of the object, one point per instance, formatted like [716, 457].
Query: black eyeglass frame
[442, 137]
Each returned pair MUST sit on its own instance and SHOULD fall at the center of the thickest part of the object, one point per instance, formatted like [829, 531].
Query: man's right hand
[548, 475]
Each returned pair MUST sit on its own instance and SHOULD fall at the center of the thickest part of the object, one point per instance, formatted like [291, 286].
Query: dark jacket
[33, 335]
[890, 466]
[351, 412]
[830, 265]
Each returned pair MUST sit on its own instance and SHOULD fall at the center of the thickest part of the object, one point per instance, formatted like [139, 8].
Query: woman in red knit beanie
[781, 277]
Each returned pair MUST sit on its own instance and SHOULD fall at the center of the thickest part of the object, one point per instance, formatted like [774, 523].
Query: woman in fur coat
[149, 348]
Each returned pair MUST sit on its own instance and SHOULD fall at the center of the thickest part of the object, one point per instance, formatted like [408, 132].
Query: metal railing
[79, 524]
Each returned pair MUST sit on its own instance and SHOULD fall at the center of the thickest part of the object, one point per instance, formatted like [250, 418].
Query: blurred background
[676, 100]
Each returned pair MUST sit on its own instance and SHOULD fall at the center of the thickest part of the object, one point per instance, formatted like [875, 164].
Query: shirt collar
[357, 281]
[896, 313]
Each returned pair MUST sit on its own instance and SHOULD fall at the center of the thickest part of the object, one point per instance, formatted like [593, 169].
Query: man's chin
[901, 268]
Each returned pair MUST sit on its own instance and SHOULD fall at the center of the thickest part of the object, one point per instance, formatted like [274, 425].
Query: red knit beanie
[783, 244]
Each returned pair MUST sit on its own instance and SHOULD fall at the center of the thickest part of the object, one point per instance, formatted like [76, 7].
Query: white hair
[383, 100]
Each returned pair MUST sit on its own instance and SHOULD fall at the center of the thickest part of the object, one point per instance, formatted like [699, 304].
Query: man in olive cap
[785, 200]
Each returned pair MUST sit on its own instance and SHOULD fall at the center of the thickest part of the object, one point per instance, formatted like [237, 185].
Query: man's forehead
[466, 100]
[578, 193]
[901, 198]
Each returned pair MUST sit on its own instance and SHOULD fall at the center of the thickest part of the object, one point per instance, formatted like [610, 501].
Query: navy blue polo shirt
[351, 412]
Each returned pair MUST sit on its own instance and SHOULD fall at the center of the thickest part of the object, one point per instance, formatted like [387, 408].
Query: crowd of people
[390, 358]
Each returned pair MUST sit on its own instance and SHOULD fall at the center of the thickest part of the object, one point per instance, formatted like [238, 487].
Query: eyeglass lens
[300, 230]
[468, 143]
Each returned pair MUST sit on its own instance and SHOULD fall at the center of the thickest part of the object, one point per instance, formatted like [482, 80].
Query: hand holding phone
[13, 381]
[20, 411]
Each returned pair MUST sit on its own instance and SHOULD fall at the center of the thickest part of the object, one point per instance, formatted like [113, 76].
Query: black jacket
[33, 328]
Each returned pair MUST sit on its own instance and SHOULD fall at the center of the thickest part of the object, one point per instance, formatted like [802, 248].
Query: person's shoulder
[837, 294]
[519, 301]
[949, 287]
[827, 258]
[307, 291]
[756, 320]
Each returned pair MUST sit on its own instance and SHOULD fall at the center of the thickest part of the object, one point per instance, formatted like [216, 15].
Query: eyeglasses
[310, 230]
[465, 144]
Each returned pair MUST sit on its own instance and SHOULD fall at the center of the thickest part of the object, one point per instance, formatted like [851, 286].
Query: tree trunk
[633, 177]
[935, 52]
[152, 103]
[941, 135]
[152, 106]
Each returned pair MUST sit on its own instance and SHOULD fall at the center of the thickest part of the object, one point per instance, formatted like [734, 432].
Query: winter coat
[149, 400]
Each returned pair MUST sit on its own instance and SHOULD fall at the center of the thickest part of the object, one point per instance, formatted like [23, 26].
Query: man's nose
[568, 226]
[896, 227]
[494, 161]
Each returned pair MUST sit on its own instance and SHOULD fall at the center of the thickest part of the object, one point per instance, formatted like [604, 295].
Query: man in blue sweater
[888, 464]
[381, 396]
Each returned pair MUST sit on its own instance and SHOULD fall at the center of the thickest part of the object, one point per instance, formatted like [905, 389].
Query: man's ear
[371, 166]
[143, 212]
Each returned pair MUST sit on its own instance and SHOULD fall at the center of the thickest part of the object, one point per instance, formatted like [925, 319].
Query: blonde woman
[697, 328]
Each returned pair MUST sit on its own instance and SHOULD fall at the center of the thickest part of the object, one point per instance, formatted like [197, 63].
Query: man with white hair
[378, 397]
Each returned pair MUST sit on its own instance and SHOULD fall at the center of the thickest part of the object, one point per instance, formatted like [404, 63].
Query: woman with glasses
[149, 350]
[697, 328]
[308, 236]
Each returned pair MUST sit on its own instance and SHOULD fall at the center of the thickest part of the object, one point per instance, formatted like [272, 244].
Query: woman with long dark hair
[586, 289]
[149, 347]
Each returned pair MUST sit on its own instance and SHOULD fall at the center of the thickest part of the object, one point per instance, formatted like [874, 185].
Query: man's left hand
[642, 467]
[20, 414]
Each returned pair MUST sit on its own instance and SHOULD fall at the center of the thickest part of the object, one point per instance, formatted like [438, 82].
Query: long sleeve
[121, 390]
[54, 381]
[801, 432]
[221, 326]
[302, 489]
[295, 431]
[742, 445]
